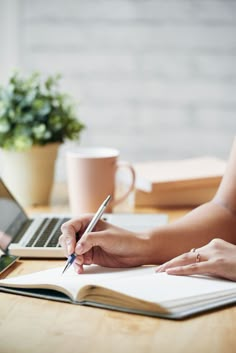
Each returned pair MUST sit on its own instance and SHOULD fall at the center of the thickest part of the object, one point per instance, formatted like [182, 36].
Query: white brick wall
[154, 78]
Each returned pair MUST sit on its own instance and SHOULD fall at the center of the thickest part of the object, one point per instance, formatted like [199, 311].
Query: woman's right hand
[107, 245]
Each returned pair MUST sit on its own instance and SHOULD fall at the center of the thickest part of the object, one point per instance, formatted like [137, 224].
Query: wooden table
[30, 325]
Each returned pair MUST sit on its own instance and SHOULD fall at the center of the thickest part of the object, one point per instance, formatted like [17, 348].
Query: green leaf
[34, 110]
[4, 126]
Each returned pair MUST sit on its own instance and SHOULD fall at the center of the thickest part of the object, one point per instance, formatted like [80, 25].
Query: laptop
[38, 237]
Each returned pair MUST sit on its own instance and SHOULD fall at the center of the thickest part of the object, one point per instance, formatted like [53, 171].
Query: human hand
[107, 245]
[218, 258]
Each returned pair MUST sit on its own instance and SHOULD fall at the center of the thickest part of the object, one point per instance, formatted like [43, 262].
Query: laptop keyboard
[46, 235]
[22, 231]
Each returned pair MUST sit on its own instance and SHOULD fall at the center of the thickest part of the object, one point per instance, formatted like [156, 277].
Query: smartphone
[6, 261]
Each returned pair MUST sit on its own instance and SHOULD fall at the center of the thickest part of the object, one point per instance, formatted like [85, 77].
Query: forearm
[194, 230]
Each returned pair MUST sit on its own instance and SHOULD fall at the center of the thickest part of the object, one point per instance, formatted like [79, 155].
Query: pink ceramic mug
[91, 177]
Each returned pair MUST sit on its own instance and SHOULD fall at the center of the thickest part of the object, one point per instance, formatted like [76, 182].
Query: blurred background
[154, 78]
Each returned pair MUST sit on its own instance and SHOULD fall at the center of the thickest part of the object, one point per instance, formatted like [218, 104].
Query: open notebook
[137, 290]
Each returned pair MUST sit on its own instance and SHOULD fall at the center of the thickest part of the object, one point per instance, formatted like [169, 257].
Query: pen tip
[65, 268]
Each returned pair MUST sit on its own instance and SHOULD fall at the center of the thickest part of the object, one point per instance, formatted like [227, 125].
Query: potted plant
[35, 119]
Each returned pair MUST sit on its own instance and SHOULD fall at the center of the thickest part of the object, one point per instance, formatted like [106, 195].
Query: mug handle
[127, 165]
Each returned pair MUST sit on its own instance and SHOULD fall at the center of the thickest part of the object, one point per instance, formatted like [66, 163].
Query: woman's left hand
[218, 258]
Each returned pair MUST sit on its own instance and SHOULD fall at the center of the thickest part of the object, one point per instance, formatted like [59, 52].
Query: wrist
[148, 247]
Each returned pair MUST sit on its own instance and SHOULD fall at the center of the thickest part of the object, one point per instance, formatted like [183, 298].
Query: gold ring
[193, 250]
[198, 257]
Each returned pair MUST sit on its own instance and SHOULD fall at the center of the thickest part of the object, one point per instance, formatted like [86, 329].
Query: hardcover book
[188, 182]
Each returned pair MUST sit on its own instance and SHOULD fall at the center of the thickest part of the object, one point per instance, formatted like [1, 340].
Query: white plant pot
[29, 175]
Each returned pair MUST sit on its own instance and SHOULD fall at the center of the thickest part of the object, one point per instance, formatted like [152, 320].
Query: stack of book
[188, 182]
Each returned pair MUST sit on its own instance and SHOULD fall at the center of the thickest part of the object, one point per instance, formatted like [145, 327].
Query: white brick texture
[154, 78]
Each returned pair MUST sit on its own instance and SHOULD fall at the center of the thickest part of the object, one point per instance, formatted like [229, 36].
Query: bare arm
[215, 219]
[226, 194]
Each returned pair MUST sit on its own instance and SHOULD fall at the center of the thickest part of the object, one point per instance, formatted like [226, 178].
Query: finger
[71, 229]
[68, 244]
[88, 257]
[90, 240]
[63, 245]
[195, 268]
[68, 238]
[79, 260]
[181, 260]
[79, 223]
[78, 268]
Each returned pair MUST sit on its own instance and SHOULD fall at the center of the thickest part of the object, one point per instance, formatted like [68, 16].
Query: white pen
[90, 227]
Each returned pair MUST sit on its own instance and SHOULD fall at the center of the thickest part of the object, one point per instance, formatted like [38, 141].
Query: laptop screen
[12, 217]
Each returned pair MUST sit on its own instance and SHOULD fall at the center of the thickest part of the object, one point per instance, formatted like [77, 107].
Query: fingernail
[160, 268]
[79, 269]
[79, 260]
